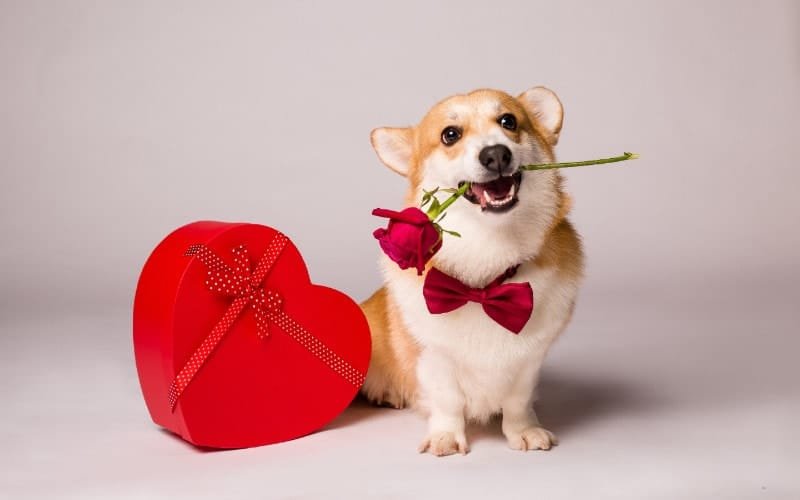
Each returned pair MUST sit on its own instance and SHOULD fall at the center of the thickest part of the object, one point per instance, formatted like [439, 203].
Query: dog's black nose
[495, 158]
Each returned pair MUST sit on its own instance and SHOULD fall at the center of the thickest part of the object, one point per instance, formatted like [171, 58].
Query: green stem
[453, 197]
[433, 214]
[547, 166]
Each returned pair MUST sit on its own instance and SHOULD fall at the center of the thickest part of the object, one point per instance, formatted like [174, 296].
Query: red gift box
[235, 347]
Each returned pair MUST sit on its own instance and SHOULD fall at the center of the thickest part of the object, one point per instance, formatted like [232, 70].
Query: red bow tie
[510, 304]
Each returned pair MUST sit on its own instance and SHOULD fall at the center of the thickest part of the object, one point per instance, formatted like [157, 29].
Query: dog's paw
[532, 438]
[386, 398]
[444, 443]
[392, 400]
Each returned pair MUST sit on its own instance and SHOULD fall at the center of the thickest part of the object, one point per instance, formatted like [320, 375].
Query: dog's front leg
[520, 423]
[443, 398]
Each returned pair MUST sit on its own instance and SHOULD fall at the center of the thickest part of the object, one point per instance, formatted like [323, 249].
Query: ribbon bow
[509, 304]
[240, 283]
[245, 287]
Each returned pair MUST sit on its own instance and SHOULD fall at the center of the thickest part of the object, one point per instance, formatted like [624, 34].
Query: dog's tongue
[497, 189]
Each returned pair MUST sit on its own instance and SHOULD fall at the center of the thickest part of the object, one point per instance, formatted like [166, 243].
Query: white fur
[492, 242]
[471, 368]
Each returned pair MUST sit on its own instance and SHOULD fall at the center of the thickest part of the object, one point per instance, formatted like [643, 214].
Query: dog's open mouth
[498, 195]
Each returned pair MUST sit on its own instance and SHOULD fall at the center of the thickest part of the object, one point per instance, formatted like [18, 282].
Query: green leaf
[453, 233]
[428, 196]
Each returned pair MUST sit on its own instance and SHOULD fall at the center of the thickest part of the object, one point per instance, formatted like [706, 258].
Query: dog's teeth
[500, 202]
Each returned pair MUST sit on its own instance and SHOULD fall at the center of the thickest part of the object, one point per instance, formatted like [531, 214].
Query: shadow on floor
[566, 402]
[182, 442]
[360, 409]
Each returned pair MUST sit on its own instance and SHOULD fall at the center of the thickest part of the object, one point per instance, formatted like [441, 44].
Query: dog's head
[483, 138]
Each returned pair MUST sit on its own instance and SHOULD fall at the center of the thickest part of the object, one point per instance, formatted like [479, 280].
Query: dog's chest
[486, 356]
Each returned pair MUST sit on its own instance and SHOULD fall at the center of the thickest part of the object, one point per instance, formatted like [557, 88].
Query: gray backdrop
[120, 121]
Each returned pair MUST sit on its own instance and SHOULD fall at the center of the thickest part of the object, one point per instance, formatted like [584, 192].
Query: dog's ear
[544, 107]
[394, 146]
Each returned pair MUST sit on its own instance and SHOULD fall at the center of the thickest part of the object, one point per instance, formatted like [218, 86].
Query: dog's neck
[491, 243]
[477, 263]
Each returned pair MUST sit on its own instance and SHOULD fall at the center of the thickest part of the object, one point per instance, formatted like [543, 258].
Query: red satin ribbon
[509, 304]
[245, 287]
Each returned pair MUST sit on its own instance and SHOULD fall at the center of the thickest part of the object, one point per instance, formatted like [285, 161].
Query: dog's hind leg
[390, 380]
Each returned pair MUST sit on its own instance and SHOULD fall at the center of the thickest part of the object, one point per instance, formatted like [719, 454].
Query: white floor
[660, 397]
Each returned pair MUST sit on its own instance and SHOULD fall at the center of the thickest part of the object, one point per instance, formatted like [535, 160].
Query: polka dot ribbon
[244, 286]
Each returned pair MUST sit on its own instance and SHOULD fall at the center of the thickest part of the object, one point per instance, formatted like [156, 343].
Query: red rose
[411, 238]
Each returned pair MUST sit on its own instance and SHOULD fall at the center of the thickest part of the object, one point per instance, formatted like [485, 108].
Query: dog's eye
[508, 122]
[450, 135]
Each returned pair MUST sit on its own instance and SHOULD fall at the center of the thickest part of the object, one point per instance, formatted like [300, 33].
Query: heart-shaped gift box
[234, 345]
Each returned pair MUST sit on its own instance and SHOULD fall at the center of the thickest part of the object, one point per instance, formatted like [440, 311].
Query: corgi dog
[462, 366]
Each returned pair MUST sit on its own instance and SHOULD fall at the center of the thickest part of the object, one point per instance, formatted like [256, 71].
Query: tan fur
[425, 137]
[394, 352]
[392, 377]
